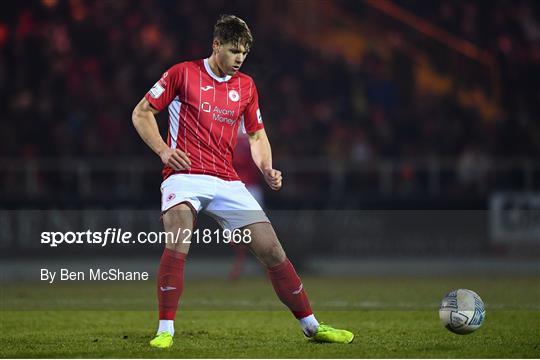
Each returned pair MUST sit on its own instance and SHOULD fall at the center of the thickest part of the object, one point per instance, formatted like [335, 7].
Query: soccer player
[208, 100]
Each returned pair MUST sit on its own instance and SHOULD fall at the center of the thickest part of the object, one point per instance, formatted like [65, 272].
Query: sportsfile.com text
[117, 236]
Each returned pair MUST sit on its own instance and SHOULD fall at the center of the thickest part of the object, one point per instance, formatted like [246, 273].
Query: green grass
[390, 317]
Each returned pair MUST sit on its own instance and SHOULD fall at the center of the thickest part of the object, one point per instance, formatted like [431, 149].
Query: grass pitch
[390, 317]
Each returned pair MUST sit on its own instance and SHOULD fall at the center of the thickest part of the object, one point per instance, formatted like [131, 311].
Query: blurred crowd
[510, 32]
[72, 71]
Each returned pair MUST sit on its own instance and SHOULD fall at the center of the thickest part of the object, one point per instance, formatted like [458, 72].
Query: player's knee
[175, 221]
[273, 255]
[179, 216]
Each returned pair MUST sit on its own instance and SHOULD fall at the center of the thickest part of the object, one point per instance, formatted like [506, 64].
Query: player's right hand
[273, 178]
[176, 159]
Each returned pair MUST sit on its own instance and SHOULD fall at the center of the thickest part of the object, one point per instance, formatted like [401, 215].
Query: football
[462, 311]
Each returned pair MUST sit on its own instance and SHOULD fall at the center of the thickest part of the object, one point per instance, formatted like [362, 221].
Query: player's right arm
[144, 120]
[145, 123]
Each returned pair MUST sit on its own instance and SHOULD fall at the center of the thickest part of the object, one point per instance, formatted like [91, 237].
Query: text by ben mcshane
[92, 275]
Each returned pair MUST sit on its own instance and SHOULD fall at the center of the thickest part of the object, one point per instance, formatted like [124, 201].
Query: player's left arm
[261, 152]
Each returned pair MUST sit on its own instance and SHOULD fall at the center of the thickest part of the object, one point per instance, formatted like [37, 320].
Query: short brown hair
[232, 29]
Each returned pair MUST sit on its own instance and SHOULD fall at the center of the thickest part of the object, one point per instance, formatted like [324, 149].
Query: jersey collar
[214, 76]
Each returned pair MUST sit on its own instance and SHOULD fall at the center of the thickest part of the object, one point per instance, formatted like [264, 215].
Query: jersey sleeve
[166, 88]
[252, 114]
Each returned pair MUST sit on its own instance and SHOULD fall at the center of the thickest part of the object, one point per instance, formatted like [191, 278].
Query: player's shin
[291, 292]
[169, 287]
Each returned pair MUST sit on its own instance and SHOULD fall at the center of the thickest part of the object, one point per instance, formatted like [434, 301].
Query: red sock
[289, 289]
[170, 283]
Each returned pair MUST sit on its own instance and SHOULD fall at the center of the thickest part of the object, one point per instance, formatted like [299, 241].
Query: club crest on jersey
[233, 95]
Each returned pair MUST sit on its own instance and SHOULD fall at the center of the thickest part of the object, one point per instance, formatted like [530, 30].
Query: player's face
[230, 57]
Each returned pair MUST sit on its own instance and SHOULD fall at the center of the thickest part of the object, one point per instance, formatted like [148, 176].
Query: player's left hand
[273, 178]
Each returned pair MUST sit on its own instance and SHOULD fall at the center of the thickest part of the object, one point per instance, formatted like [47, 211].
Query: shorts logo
[170, 197]
[233, 95]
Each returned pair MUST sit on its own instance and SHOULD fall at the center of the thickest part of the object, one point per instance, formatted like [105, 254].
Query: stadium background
[407, 132]
[386, 106]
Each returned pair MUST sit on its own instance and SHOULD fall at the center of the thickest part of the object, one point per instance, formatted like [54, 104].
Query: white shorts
[228, 202]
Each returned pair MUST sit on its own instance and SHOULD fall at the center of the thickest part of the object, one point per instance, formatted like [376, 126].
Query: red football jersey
[205, 113]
